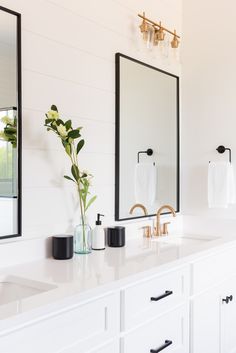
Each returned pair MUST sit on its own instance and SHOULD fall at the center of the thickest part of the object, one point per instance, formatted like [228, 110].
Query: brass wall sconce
[155, 32]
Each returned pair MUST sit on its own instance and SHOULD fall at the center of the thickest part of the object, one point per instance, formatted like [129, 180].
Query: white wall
[68, 60]
[208, 97]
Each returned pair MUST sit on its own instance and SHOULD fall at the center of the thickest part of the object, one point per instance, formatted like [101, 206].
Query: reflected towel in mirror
[145, 183]
[221, 185]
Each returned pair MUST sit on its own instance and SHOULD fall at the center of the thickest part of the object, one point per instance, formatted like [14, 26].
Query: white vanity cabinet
[186, 308]
[213, 304]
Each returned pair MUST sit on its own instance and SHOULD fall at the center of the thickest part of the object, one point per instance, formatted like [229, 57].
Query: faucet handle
[165, 228]
[147, 231]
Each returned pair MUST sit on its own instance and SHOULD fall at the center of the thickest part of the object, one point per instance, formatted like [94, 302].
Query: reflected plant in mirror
[10, 123]
[73, 143]
[147, 139]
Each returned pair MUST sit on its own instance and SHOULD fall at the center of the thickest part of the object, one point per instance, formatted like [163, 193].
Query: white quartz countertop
[86, 276]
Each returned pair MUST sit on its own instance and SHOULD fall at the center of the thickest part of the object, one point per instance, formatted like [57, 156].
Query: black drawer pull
[167, 344]
[166, 294]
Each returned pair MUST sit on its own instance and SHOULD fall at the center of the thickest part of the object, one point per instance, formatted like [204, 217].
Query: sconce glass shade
[161, 34]
[155, 37]
[175, 43]
[144, 26]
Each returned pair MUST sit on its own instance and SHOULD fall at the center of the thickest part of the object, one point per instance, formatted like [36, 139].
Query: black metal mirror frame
[19, 124]
[117, 137]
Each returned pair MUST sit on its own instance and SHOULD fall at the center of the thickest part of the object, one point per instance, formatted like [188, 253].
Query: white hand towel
[145, 183]
[231, 186]
[221, 185]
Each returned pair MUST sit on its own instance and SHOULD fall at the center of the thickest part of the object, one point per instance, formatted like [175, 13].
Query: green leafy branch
[73, 143]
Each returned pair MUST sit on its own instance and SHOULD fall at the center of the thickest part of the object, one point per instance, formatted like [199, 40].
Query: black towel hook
[149, 152]
[222, 149]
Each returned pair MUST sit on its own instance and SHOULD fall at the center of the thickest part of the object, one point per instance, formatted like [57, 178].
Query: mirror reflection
[147, 139]
[9, 118]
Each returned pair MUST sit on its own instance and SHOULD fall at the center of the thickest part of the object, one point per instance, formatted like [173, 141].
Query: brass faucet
[139, 205]
[147, 229]
[158, 229]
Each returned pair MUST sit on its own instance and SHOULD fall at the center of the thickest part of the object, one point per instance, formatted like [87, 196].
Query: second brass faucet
[147, 229]
[158, 229]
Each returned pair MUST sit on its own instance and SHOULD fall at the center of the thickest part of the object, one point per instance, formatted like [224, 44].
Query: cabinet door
[205, 322]
[80, 328]
[228, 317]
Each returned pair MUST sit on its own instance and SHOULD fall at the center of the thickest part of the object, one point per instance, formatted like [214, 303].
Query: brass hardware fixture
[139, 205]
[151, 29]
[158, 229]
[147, 232]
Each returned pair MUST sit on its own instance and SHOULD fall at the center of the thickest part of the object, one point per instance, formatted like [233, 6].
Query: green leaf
[59, 122]
[48, 121]
[54, 108]
[74, 134]
[80, 146]
[90, 202]
[10, 130]
[68, 124]
[69, 178]
[75, 172]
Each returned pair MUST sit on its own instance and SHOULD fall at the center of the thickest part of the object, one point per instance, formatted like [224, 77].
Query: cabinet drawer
[86, 326]
[213, 269]
[169, 330]
[147, 299]
[107, 348]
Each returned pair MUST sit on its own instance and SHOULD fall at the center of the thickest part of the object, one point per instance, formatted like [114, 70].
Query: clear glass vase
[83, 238]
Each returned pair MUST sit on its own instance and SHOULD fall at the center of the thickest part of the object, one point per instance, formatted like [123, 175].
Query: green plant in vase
[73, 143]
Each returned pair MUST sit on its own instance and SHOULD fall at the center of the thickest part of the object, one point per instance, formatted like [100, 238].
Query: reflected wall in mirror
[10, 123]
[147, 139]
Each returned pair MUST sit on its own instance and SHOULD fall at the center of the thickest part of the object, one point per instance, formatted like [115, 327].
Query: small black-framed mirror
[147, 161]
[10, 123]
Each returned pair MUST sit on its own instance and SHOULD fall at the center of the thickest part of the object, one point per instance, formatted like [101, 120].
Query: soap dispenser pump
[98, 238]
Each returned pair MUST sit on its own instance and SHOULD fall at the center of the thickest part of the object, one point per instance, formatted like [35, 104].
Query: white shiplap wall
[68, 60]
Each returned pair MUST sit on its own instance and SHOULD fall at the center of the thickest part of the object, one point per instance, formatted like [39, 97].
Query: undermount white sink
[14, 288]
[184, 239]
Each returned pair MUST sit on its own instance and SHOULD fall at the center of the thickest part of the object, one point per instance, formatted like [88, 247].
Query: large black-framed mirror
[10, 123]
[147, 162]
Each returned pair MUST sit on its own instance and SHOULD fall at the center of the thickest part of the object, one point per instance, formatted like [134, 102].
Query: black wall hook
[149, 152]
[221, 149]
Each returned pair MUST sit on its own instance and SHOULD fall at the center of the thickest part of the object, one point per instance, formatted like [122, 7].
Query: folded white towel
[145, 183]
[221, 185]
[231, 188]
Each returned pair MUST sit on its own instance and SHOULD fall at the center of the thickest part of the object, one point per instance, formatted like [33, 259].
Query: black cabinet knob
[230, 297]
